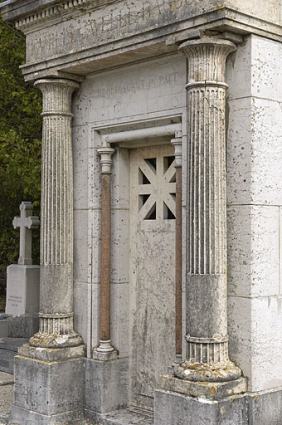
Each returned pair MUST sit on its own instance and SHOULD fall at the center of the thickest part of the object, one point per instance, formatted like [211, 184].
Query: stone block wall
[254, 173]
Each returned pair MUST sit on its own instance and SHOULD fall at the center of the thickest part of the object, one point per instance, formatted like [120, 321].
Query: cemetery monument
[160, 283]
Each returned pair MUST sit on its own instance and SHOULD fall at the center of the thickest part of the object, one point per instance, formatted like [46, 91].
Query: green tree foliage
[20, 142]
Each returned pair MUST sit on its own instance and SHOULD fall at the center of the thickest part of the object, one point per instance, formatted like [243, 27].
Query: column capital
[45, 83]
[57, 95]
[177, 143]
[106, 159]
[207, 57]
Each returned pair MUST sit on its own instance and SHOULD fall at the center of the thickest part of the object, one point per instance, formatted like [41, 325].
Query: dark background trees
[20, 143]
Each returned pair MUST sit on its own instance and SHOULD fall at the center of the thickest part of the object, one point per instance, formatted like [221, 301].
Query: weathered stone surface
[82, 34]
[106, 385]
[6, 379]
[209, 390]
[51, 354]
[173, 408]
[255, 335]
[254, 198]
[137, 96]
[80, 245]
[25, 223]
[21, 416]
[253, 250]
[6, 396]
[152, 282]
[22, 289]
[56, 277]
[47, 392]
[8, 350]
[119, 94]
[6, 392]
[122, 417]
[265, 408]
[3, 328]
[24, 326]
[206, 302]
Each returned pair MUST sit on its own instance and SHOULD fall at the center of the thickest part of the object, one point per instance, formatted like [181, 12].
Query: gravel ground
[6, 393]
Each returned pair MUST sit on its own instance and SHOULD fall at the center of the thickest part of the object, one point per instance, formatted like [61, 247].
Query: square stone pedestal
[49, 386]
[201, 403]
[106, 387]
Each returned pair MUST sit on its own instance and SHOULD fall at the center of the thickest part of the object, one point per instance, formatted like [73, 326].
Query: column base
[51, 354]
[105, 351]
[209, 390]
[207, 372]
[45, 340]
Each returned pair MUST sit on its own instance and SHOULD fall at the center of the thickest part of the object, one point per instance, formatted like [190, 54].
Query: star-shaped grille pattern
[157, 188]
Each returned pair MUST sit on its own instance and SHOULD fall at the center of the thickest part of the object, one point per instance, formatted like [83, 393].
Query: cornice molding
[48, 12]
[26, 13]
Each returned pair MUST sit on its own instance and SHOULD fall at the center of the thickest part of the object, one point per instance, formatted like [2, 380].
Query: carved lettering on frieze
[118, 21]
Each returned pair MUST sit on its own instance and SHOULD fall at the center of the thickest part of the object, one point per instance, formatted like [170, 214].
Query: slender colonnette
[105, 350]
[177, 143]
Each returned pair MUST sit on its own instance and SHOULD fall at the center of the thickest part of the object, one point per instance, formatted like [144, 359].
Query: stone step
[6, 395]
[8, 350]
[125, 417]
[120, 417]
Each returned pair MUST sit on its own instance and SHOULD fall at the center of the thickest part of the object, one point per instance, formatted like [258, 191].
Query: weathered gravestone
[23, 278]
[22, 300]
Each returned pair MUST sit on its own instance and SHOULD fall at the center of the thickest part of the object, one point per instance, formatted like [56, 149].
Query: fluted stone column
[56, 280]
[207, 339]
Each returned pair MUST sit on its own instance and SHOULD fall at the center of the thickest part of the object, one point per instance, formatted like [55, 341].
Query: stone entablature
[89, 36]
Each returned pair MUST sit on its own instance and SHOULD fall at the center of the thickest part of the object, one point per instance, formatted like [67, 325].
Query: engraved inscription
[15, 300]
[111, 23]
[137, 86]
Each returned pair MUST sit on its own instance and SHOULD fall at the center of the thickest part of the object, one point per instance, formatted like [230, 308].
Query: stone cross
[26, 222]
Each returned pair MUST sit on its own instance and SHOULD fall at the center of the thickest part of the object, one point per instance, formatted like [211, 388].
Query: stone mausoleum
[160, 282]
